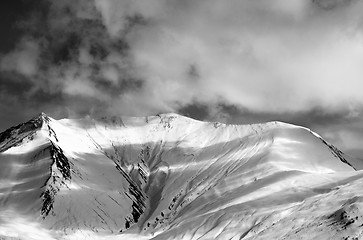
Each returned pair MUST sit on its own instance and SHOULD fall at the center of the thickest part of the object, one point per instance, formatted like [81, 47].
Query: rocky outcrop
[15, 136]
[60, 171]
[337, 153]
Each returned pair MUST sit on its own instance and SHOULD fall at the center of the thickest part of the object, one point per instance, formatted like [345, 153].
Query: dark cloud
[10, 13]
[193, 72]
[123, 85]
[65, 52]
[332, 4]
[234, 114]
[197, 111]
[12, 83]
[343, 128]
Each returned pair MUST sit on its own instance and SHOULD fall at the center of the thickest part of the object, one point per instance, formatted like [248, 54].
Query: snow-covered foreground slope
[172, 177]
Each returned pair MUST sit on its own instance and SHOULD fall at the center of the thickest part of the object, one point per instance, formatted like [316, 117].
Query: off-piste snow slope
[172, 177]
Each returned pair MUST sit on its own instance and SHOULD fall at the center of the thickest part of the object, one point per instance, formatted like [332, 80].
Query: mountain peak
[41, 117]
[170, 172]
[15, 135]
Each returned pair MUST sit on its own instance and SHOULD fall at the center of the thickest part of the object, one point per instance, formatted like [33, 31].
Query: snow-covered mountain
[172, 177]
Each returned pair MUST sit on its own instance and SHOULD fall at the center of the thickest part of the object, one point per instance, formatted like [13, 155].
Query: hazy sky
[235, 61]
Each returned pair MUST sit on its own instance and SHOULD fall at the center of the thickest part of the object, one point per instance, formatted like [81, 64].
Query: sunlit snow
[172, 177]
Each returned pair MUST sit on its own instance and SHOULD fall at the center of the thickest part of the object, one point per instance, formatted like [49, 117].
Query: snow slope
[172, 177]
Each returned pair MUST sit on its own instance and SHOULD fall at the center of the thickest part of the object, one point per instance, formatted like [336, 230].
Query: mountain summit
[172, 177]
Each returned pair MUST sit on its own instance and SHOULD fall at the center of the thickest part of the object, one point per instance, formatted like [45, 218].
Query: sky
[233, 61]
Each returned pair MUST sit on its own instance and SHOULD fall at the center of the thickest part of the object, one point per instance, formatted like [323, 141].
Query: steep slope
[172, 177]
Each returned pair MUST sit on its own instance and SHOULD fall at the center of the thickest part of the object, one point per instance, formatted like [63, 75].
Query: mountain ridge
[150, 176]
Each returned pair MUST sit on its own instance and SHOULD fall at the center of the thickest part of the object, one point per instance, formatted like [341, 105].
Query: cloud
[271, 63]
[331, 4]
[23, 59]
[265, 56]
[137, 57]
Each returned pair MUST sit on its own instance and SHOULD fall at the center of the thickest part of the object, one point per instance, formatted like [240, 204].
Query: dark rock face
[55, 181]
[337, 153]
[48, 200]
[135, 191]
[347, 216]
[17, 135]
[166, 121]
[137, 197]
[61, 161]
[14, 136]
